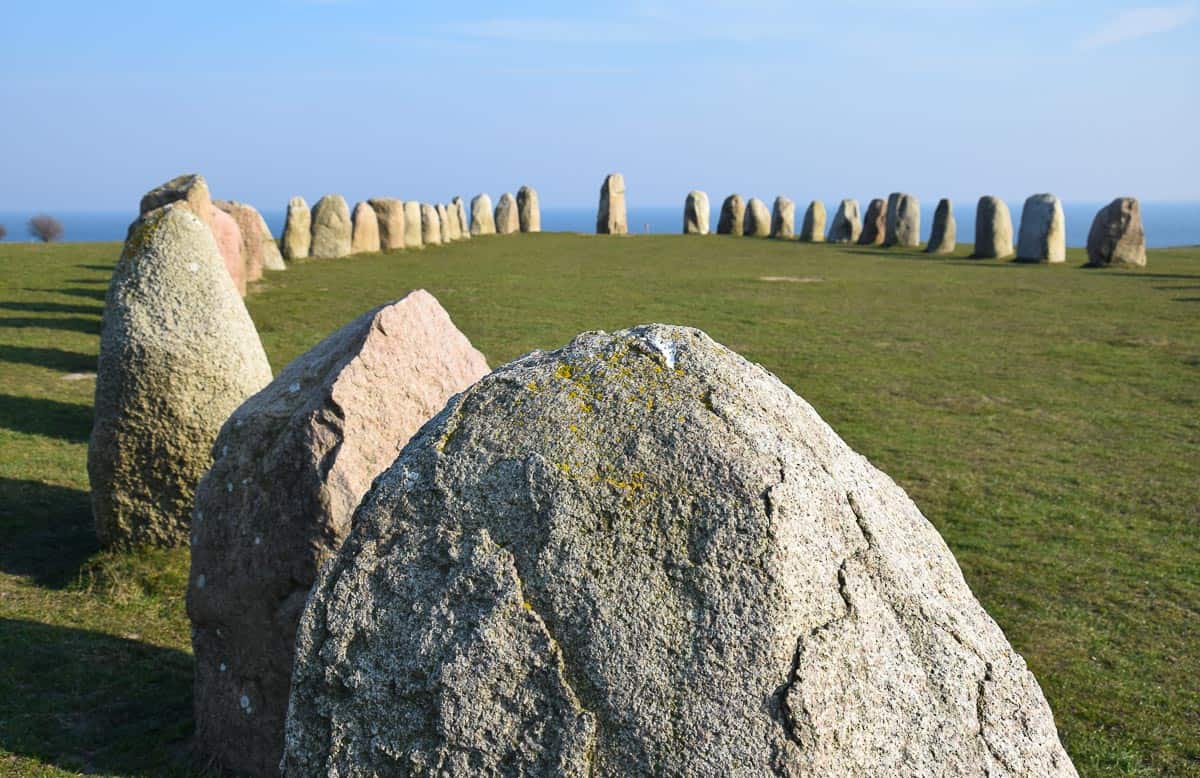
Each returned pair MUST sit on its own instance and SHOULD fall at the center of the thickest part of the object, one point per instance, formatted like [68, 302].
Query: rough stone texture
[431, 225]
[1116, 236]
[389, 215]
[229, 244]
[993, 229]
[414, 225]
[178, 353]
[756, 221]
[847, 223]
[449, 217]
[297, 229]
[253, 248]
[507, 219]
[331, 228]
[364, 237]
[482, 220]
[644, 555]
[611, 218]
[733, 209]
[529, 211]
[813, 229]
[460, 215]
[272, 258]
[191, 190]
[292, 464]
[1043, 236]
[783, 218]
[944, 235]
[903, 220]
[695, 213]
[874, 224]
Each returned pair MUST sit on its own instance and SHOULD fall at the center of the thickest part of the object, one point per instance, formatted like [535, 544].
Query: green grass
[1046, 420]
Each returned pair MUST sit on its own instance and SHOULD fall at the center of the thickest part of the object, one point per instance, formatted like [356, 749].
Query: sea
[1166, 223]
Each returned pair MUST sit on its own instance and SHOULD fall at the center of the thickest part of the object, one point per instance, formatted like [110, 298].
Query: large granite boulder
[874, 224]
[783, 218]
[459, 211]
[847, 223]
[364, 236]
[331, 228]
[389, 216]
[229, 244]
[1117, 236]
[756, 221]
[191, 189]
[529, 211]
[251, 227]
[1043, 235]
[695, 213]
[813, 229]
[944, 235]
[903, 220]
[297, 229]
[611, 218]
[482, 220]
[414, 225]
[292, 464]
[643, 555]
[431, 225]
[730, 221]
[272, 257]
[178, 353]
[507, 219]
[993, 229]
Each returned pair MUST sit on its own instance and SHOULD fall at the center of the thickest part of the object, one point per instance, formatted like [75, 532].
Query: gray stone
[643, 555]
[460, 217]
[695, 213]
[529, 210]
[389, 215]
[611, 218]
[414, 225]
[847, 223]
[191, 190]
[756, 221]
[507, 219]
[813, 229]
[903, 221]
[943, 236]
[874, 224]
[292, 464]
[1043, 235]
[783, 218]
[297, 229]
[331, 228]
[993, 229]
[482, 220]
[431, 225]
[1117, 236]
[178, 352]
[730, 221]
[364, 237]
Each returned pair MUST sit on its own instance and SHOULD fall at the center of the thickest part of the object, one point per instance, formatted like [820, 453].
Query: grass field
[1046, 420]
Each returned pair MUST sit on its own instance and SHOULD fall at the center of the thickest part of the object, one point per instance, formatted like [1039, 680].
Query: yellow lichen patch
[564, 371]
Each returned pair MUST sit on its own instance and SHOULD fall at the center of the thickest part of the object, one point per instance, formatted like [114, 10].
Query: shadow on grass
[72, 324]
[91, 294]
[105, 268]
[89, 702]
[49, 358]
[51, 418]
[40, 307]
[46, 531]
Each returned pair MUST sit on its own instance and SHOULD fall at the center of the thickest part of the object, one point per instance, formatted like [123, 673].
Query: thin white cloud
[1140, 23]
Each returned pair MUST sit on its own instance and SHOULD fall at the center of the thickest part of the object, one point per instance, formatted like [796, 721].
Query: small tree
[3, 232]
[45, 228]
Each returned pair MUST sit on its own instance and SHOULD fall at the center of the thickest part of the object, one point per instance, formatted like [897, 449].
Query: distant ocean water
[1166, 223]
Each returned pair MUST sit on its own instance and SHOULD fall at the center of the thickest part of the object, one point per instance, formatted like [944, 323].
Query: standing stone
[460, 215]
[365, 235]
[813, 230]
[300, 455]
[1043, 236]
[993, 229]
[253, 249]
[507, 220]
[875, 224]
[414, 225]
[297, 230]
[389, 214]
[944, 235]
[331, 228]
[431, 225]
[529, 212]
[783, 218]
[1117, 236]
[903, 221]
[178, 353]
[732, 211]
[272, 258]
[610, 217]
[482, 221]
[847, 223]
[449, 220]
[695, 213]
[192, 190]
[757, 220]
[643, 555]
[229, 243]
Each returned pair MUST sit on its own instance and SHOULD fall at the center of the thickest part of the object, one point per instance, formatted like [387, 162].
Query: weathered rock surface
[611, 218]
[272, 258]
[944, 235]
[229, 244]
[903, 220]
[191, 190]
[847, 223]
[1043, 236]
[331, 228]
[813, 229]
[783, 218]
[178, 353]
[364, 238]
[414, 225]
[756, 220]
[507, 219]
[250, 227]
[292, 464]
[482, 220]
[730, 222]
[460, 216]
[389, 215]
[695, 213]
[431, 225]
[1117, 236]
[529, 211]
[643, 555]
[449, 217]
[993, 229]
[297, 229]
[874, 224]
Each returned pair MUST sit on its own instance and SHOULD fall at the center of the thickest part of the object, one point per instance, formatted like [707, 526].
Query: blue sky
[270, 98]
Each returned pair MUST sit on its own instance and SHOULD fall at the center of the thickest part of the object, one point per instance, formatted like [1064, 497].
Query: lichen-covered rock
[507, 219]
[903, 220]
[297, 229]
[813, 229]
[291, 465]
[482, 220]
[944, 235]
[874, 224]
[389, 215]
[414, 225]
[178, 353]
[611, 218]
[783, 218]
[756, 221]
[993, 229]
[730, 221]
[529, 211]
[1117, 236]
[253, 248]
[229, 244]
[460, 217]
[191, 190]
[847, 223]
[1043, 235]
[431, 225]
[643, 555]
[695, 213]
[331, 228]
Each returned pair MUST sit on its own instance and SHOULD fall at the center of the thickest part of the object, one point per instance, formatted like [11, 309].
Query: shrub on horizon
[46, 228]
